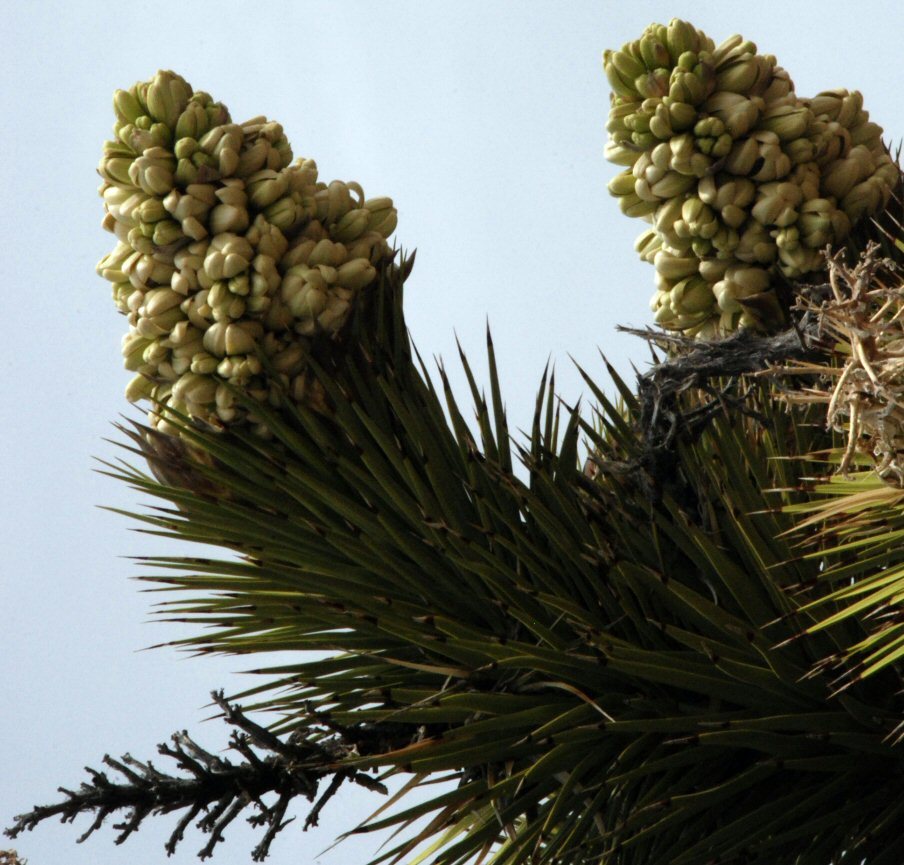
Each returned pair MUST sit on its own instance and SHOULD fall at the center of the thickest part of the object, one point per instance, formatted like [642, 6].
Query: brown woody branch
[214, 788]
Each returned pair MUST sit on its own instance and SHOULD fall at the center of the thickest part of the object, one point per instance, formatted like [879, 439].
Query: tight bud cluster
[227, 251]
[740, 179]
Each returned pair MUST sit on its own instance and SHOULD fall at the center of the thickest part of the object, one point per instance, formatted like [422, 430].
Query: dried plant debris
[861, 379]
[715, 373]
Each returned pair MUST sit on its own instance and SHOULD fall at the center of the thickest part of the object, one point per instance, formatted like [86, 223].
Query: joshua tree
[668, 631]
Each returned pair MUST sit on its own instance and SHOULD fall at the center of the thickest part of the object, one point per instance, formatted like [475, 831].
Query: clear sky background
[483, 120]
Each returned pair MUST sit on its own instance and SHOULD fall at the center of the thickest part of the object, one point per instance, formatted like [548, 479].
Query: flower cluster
[740, 178]
[232, 259]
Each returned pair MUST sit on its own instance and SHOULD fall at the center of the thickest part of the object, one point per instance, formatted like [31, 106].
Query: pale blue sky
[483, 120]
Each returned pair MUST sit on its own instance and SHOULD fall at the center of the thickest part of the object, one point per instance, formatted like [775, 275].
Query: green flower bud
[667, 215]
[115, 170]
[713, 269]
[153, 171]
[775, 163]
[697, 220]
[139, 387]
[621, 84]
[191, 125]
[166, 97]
[724, 242]
[304, 292]
[617, 116]
[227, 338]
[665, 316]
[653, 52]
[187, 172]
[253, 158]
[298, 253]
[716, 147]
[739, 283]
[807, 177]
[786, 238]
[239, 370]
[334, 316]
[755, 245]
[838, 105]
[737, 112]
[692, 296]
[686, 159]
[203, 363]
[742, 158]
[686, 87]
[632, 205]
[865, 198]
[622, 153]
[333, 202]
[659, 298]
[747, 73]
[660, 123]
[371, 246]
[265, 279]
[780, 87]
[830, 140]
[123, 203]
[795, 260]
[126, 107]
[868, 134]
[110, 266]
[228, 218]
[184, 338]
[223, 144]
[290, 360]
[383, 216]
[166, 232]
[681, 115]
[267, 238]
[788, 122]
[227, 256]
[327, 253]
[887, 170]
[672, 184]
[648, 244]
[621, 184]
[733, 216]
[820, 223]
[286, 214]
[674, 268]
[681, 37]
[194, 391]
[133, 348]
[153, 326]
[265, 147]
[150, 210]
[840, 177]
[800, 151]
[145, 270]
[627, 66]
[777, 204]
[709, 127]
[653, 84]
[265, 187]
[733, 48]
[721, 191]
[356, 274]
